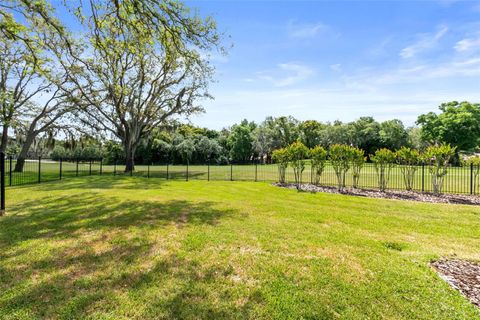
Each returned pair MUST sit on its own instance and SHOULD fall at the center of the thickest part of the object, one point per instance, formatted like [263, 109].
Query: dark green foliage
[297, 153]
[340, 156]
[393, 134]
[358, 160]
[281, 158]
[394, 246]
[438, 158]
[474, 162]
[384, 160]
[311, 133]
[458, 125]
[89, 152]
[409, 160]
[318, 156]
[240, 141]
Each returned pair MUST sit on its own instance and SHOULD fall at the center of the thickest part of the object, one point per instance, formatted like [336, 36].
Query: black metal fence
[461, 180]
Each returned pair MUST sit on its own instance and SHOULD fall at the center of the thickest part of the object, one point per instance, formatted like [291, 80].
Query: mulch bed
[461, 275]
[391, 194]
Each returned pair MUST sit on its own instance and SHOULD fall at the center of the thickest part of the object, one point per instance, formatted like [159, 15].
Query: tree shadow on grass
[62, 217]
[99, 249]
[94, 182]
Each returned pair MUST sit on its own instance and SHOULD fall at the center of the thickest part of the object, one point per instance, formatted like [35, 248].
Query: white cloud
[328, 104]
[452, 70]
[425, 42]
[336, 67]
[286, 74]
[380, 49]
[306, 30]
[467, 44]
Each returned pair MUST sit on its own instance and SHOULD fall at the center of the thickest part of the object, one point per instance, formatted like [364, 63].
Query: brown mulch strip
[461, 275]
[391, 194]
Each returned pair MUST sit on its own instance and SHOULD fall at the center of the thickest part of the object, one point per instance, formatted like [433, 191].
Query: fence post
[148, 171]
[2, 183]
[39, 169]
[208, 171]
[101, 166]
[471, 178]
[76, 170]
[115, 167]
[187, 170]
[231, 172]
[256, 172]
[60, 177]
[423, 176]
[10, 172]
[167, 171]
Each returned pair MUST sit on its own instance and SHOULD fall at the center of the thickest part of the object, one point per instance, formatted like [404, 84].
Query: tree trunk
[23, 153]
[4, 142]
[129, 157]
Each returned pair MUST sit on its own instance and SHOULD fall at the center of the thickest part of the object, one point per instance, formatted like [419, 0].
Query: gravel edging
[391, 194]
[462, 275]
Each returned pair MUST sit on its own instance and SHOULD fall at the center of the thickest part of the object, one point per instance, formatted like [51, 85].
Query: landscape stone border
[462, 275]
[390, 194]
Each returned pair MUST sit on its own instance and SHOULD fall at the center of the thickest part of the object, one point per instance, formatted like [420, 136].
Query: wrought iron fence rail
[463, 180]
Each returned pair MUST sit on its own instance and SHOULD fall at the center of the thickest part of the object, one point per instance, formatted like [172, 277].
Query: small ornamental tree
[408, 159]
[318, 156]
[280, 157]
[297, 153]
[340, 156]
[474, 162]
[358, 160]
[383, 160]
[438, 158]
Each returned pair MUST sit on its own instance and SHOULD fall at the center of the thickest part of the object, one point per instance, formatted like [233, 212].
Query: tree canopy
[458, 124]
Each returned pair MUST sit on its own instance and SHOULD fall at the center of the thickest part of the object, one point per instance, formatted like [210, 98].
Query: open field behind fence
[461, 180]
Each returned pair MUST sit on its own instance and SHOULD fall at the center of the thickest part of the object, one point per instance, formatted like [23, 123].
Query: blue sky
[342, 60]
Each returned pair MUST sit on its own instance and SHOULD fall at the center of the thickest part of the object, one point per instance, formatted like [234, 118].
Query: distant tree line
[458, 125]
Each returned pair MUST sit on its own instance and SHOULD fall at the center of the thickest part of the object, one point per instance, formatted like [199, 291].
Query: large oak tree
[143, 63]
[133, 64]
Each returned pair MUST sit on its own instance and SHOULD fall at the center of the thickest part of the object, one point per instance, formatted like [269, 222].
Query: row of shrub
[345, 157]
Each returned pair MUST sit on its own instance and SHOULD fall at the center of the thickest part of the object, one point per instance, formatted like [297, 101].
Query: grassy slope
[137, 248]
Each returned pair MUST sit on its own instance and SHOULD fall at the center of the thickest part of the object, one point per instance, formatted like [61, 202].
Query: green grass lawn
[123, 248]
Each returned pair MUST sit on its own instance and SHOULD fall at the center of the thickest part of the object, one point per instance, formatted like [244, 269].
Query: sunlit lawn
[120, 247]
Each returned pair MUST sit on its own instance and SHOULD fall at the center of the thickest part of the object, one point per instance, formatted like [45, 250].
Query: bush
[318, 156]
[474, 162]
[60, 153]
[113, 152]
[297, 153]
[438, 158]
[358, 160]
[340, 156]
[383, 160]
[280, 157]
[408, 160]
